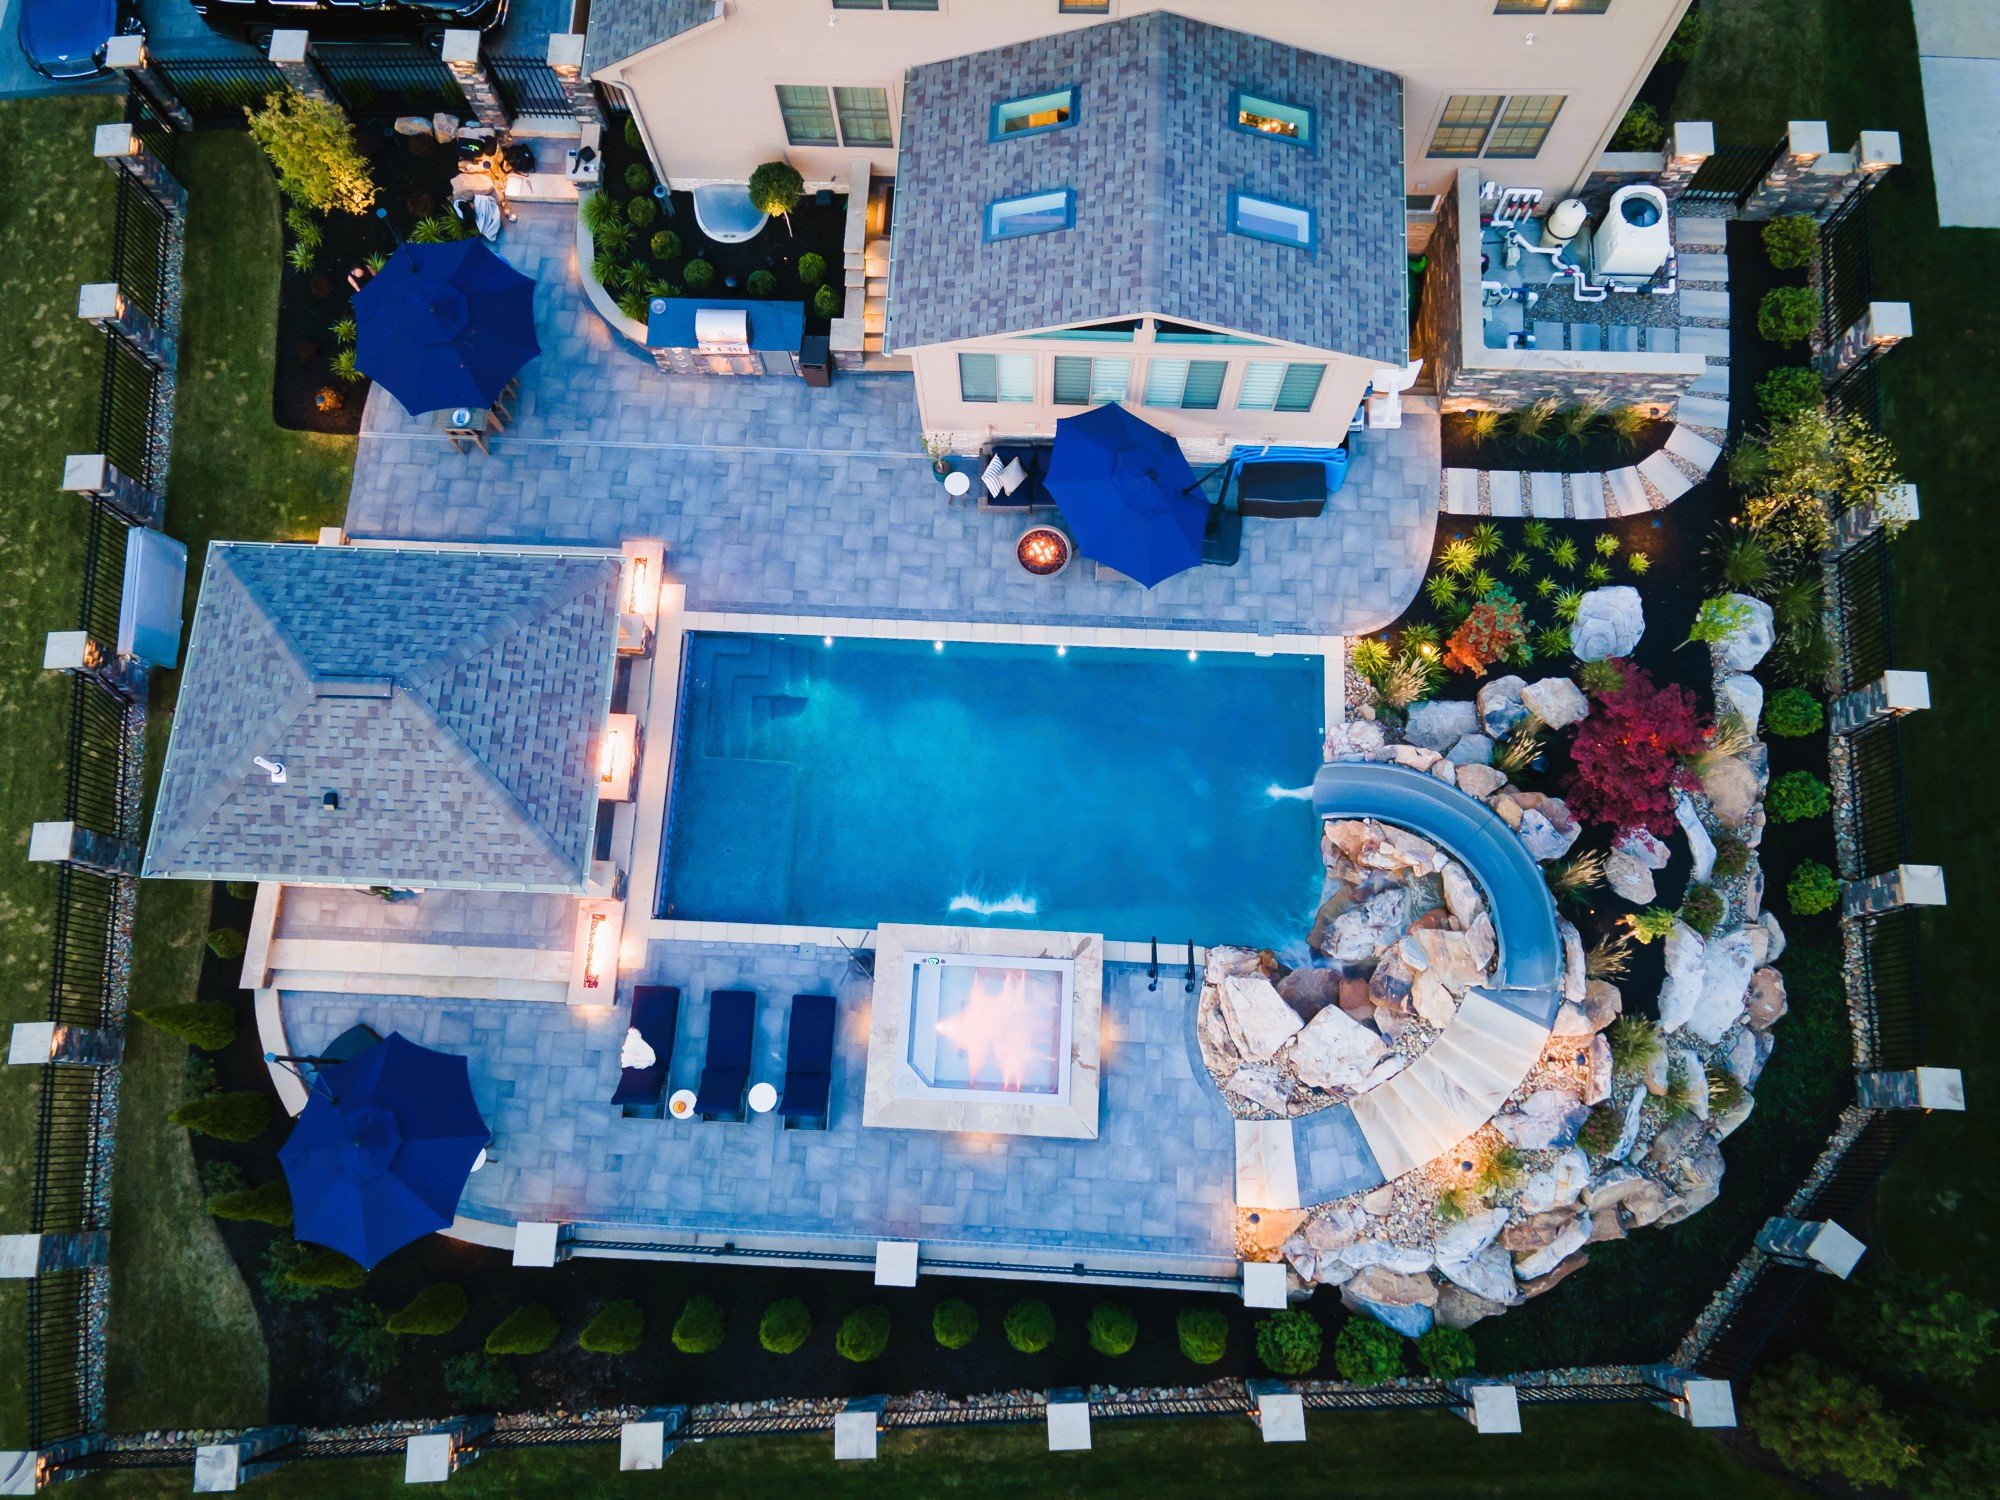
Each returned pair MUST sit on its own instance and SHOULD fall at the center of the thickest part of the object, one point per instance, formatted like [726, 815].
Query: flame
[996, 1027]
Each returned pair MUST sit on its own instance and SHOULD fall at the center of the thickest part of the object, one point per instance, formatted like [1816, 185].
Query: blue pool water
[1124, 792]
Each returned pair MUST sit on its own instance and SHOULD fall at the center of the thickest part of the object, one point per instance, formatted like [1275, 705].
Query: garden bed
[1594, 452]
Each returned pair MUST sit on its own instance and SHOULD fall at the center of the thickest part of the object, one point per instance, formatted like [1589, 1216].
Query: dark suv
[253, 21]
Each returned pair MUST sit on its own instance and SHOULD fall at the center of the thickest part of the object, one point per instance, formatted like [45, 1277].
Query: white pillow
[990, 476]
[1013, 476]
[636, 1053]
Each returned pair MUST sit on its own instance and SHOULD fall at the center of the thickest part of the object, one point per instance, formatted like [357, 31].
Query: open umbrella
[1127, 493]
[382, 1150]
[445, 325]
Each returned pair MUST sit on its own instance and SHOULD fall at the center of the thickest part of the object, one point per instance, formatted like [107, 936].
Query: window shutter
[1261, 379]
[1166, 381]
[1072, 380]
[1015, 380]
[1204, 385]
[1301, 384]
[1110, 380]
[977, 378]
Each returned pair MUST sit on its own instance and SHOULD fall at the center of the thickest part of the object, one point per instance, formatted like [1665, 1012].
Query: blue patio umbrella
[1127, 493]
[381, 1152]
[445, 325]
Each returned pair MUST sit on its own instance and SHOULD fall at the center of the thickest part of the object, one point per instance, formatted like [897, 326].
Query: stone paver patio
[775, 497]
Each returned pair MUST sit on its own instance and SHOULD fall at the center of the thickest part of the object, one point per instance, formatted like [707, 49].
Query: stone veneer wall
[1510, 389]
[1440, 320]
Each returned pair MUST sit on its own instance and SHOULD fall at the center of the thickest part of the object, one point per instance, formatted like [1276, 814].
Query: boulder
[1774, 949]
[1628, 1133]
[1416, 757]
[1687, 1067]
[1544, 840]
[412, 125]
[1499, 705]
[1574, 979]
[1392, 1288]
[1695, 1176]
[1642, 846]
[1571, 1021]
[1740, 694]
[1732, 788]
[1556, 701]
[1659, 1076]
[1378, 1202]
[1610, 1187]
[1334, 1051]
[1355, 999]
[1485, 945]
[1765, 1001]
[1605, 1225]
[1726, 1124]
[1743, 1060]
[1405, 1258]
[1470, 750]
[1602, 1003]
[1449, 957]
[1411, 1322]
[1746, 644]
[1549, 1280]
[1310, 991]
[1487, 1276]
[1363, 931]
[1540, 1262]
[1461, 896]
[1458, 1308]
[1333, 1228]
[1470, 1235]
[1537, 1231]
[1609, 622]
[1551, 1188]
[1548, 1119]
[1261, 1086]
[1355, 739]
[1446, 770]
[1600, 1071]
[1479, 781]
[1681, 991]
[1700, 845]
[1674, 1140]
[1507, 808]
[1440, 723]
[1629, 878]
[1434, 1004]
[1259, 1021]
[1389, 985]
[1727, 964]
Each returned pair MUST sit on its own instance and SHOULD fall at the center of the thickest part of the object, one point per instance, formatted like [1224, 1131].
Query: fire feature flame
[996, 1029]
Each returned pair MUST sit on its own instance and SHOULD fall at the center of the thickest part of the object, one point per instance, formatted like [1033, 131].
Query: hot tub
[989, 1025]
[726, 214]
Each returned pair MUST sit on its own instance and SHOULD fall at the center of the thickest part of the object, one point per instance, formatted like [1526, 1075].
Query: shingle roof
[1152, 157]
[619, 28]
[453, 700]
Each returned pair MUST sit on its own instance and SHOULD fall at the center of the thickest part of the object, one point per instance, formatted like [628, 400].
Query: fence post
[1815, 1244]
[1491, 1406]
[1784, 181]
[461, 55]
[1889, 696]
[650, 1441]
[566, 62]
[1878, 330]
[25, 1472]
[1693, 143]
[1695, 1399]
[1906, 885]
[1873, 155]
[1280, 1413]
[433, 1457]
[128, 55]
[76, 652]
[222, 1467]
[856, 1428]
[73, 844]
[95, 477]
[23, 1257]
[291, 55]
[56, 1044]
[1069, 1420]
[104, 305]
[118, 146]
[1892, 510]
[1912, 1088]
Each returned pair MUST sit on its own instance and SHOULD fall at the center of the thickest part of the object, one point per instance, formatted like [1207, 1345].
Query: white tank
[1564, 223]
[1634, 239]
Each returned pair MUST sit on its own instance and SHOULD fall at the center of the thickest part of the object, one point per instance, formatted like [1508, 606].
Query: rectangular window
[1261, 116]
[1036, 213]
[1273, 385]
[1034, 114]
[1083, 7]
[1267, 219]
[864, 116]
[1189, 384]
[1543, 7]
[808, 115]
[893, 4]
[1461, 129]
[1121, 332]
[1524, 125]
[996, 377]
[1420, 203]
[1183, 333]
[1519, 7]
[1495, 124]
[1083, 381]
[1582, 7]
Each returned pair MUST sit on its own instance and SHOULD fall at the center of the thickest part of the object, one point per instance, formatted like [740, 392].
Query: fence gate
[372, 80]
[528, 86]
[1730, 174]
[216, 87]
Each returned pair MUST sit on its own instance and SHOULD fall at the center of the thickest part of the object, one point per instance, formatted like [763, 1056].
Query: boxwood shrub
[864, 1334]
[432, 1313]
[1445, 1352]
[528, 1329]
[1787, 391]
[1288, 1341]
[1789, 241]
[1813, 888]
[1112, 1328]
[1796, 796]
[1367, 1352]
[698, 1330]
[1792, 712]
[1204, 1334]
[785, 1326]
[616, 1329]
[1788, 314]
[1030, 1326]
[954, 1323]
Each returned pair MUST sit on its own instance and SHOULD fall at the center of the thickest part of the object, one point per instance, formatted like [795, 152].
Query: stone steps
[1711, 267]
[1714, 381]
[1586, 497]
[1628, 492]
[1703, 411]
[1698, 303]
[1546, 500]
[1685, 443]
[1461, 492]
[1503, 492]
[1710, 342]
[1658, 470]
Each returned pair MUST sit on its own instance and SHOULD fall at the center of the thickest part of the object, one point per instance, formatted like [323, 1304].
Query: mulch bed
[1594, 453]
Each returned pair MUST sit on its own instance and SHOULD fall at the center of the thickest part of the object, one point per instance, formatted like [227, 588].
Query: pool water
[1136, 794]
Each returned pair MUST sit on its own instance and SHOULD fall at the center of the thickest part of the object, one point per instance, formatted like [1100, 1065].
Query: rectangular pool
[1132, 793]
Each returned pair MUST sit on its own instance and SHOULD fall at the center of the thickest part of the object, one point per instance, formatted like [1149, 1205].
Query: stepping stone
[1710, 234]
[1661, 340]
[1660, 472]
[1685, 442]
[1545, 496]
[1628, 494]
[1703, 411]
[1586, 496]
[1714, 381]
[1704, 266]
[1586, 336]
[1714, 342]
[1696, 303]
[1503, 491]
[1548, 335]
[1461, 492]
[1622, 338]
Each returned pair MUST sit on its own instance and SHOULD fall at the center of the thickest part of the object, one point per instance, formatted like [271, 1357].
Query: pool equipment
[1634, 240]
[1564, 223]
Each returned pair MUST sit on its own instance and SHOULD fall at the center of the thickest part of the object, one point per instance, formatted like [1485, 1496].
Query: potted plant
[937, 447]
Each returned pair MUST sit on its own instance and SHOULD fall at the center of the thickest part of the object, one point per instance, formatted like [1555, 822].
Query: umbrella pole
[291, 1065]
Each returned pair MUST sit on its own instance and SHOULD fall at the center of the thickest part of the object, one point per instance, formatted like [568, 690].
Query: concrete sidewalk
[1958, 46]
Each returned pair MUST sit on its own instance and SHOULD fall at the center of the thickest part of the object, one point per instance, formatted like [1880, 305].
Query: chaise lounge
[656, 1009]
[732, 1024]
[808, 1063]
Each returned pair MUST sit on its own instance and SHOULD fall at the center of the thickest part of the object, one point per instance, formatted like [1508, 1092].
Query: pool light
[1194, 656]
[826, 640]
[937, 645]
[1062, 651]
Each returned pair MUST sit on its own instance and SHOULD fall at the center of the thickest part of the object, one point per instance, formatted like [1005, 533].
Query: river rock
[1700, 845]
[1335, 1051]
[1548, 1119]
[1740, 694]
[1551, 1188]
[1727, 964]
[1262, 1086]
[1499, 705]
[1554, 1277]
[1459, 1308]
[1259, 1021]
[1765, 1002]
[1470, 750]
[1730, 784]
[1479, 781]
[1681, 991]
[1609, 622]
[1540, 1262]
[1556, 701]
[1380, 1202]
[1746, 644]
[1440, 723]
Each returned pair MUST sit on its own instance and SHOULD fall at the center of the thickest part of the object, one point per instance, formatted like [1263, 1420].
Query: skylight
[1034, 114]
[1268, 219]
[1033, 213]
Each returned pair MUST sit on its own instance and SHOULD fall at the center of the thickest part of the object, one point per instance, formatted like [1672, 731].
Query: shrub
[1030, 1326]
[1789, 241]
[1686, 40]
[311, 144]
[826, 302]
[1702, 908]
[1732, 857]
[1788, 389]
[274, 1273]
[1112, 1328]
[1288, 1341]
[326, 1268]
[638, 142]
[785, 1326]
[1445, 1352]
[639, 177]
[1718, 619]
[1490, 633]
[1640, 130]
[954, 1323]
[1204, 1334]
[246, 890]
[1792, 712]
[432, 1313]
[1819, 1420]
[641, 211]
[1813, 974]
[812, 268]
[1600, 677]
[600, 211]
[1916, 1329]
[442, 229]
[864, 1334]
[761, 284]
[240, 1116]
[361, 1333]
[528, 1329]
[227, 942]
[1788, 314]
[698, 274]
[666, 245]
[698, 1330]
[1368, 1352]
[1813, 888]
[775, 188]
[1600, 1131]
[267, 1203]
[479, 1381]
[615, 1330]
[1628, 755]
[207, 1024]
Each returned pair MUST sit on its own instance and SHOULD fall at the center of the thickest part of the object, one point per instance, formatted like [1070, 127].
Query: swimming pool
[1132, 793]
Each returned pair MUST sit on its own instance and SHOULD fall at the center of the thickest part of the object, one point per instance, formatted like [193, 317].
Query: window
[808, 115]
[1034, 114]
[1273, 385]
[1267, 219]
[1420, 203]
[864, 116]
[1083, 381]
[893, 4]
[1543, 7]
[1083, 7]
[817, 116]
[1183, 333]
[1190, 384]
[1495, 124]
[1268, 117]
[1122, 332]
[1461, 129]
[1036, 213]
[996, 377]
[1524, 125]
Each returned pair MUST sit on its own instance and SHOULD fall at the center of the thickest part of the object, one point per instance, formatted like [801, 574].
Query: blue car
[64, 39]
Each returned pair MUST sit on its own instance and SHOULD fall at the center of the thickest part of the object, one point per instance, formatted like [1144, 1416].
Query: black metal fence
[1881, 815]
[57, 1319]
[1893, 1021]
[215, 87]
[1730, 175]
[528, 86]
[1864, 598]
[1845, 273]
[373, 80]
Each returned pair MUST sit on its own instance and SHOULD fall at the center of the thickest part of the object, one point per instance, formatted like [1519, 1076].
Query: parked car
[64, 39]
[426, 21]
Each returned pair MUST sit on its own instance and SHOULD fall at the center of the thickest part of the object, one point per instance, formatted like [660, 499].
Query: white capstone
[1264, 1284]
[1493, 1409]
[642, 1445]
[895, 1263]
[1281, 1416]
[1069, 1426]
[854, 1434]
[535, 1243]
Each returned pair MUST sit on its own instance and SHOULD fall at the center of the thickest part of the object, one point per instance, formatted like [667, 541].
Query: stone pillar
[35, 1469]
[23, 1257]
[103, 305]
[1692, 144]
[856, 1428]
[291, 55]
[1695, 1399]
[566, 62]
[1889, 696]
[1491, 1406]
[96, 477]
[118, 146]
[537, 1243]
[127, 56]
[651, 1440]
[461, 55]
[1878, 330]
[1280, 1412]
[46, 1043]
[1891, 512]
[1906, 885]
[1069, 1420]
[220, 1468]
[75, 651]
[73, 844]
[1871, 160]
[1817, 1244]
[1785, 189]
[433, 1457]
[1914, 1088]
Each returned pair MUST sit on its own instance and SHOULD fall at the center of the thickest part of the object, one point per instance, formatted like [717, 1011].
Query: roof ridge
[282, 634]
[557, 593]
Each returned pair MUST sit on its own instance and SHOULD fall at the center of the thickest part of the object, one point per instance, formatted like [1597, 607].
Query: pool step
[753, 684]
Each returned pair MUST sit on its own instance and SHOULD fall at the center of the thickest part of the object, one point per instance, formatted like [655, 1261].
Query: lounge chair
[732, 1024]
[655, 1010]
[1031, 493]
[808, 1063]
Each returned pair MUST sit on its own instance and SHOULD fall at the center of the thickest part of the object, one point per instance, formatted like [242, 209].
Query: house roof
[452, 700]
[619, 29]
[1152, 155]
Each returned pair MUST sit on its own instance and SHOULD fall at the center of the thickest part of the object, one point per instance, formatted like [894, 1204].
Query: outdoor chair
[1284, 489]
[1031, 492]
[656, 1008]
[808, 1063]
[732, 1024]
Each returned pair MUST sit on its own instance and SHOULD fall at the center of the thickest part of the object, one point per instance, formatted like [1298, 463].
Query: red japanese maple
[1629, 755]
[1488, 634]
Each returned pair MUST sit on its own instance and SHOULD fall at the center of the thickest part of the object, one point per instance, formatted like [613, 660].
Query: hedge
[207, 1024]
[864, 1334]
[616, 1329]
[1204, 1334]
[240, 1116]
[528, 1329]
[433, 1312]
[785, 1326]
[954, 1323]
[1030, 1326]
[1112, 1328]
[698, 1330]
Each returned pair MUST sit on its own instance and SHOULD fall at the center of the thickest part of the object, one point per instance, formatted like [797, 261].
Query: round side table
[958, 484]
[681, 1105]
[763, 1098]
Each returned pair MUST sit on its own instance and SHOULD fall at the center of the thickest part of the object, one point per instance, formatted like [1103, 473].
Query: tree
[267, 1203]
[1915, 1328]
[785, 1326]
[775, 188]
[616, 1329]
[1113, 1330]
[1368, 1352]
[698, 1330]
[432, 1313]
[1204, 1334]
[1288, 1341]
[1818, 1420]
[1030, 1326]
[1628, 755]
[240, 1116]
[207, 1024]
[954, 1322]
[311, 144]
[528, 1329]
[1445, 1352]
[863, 1335]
